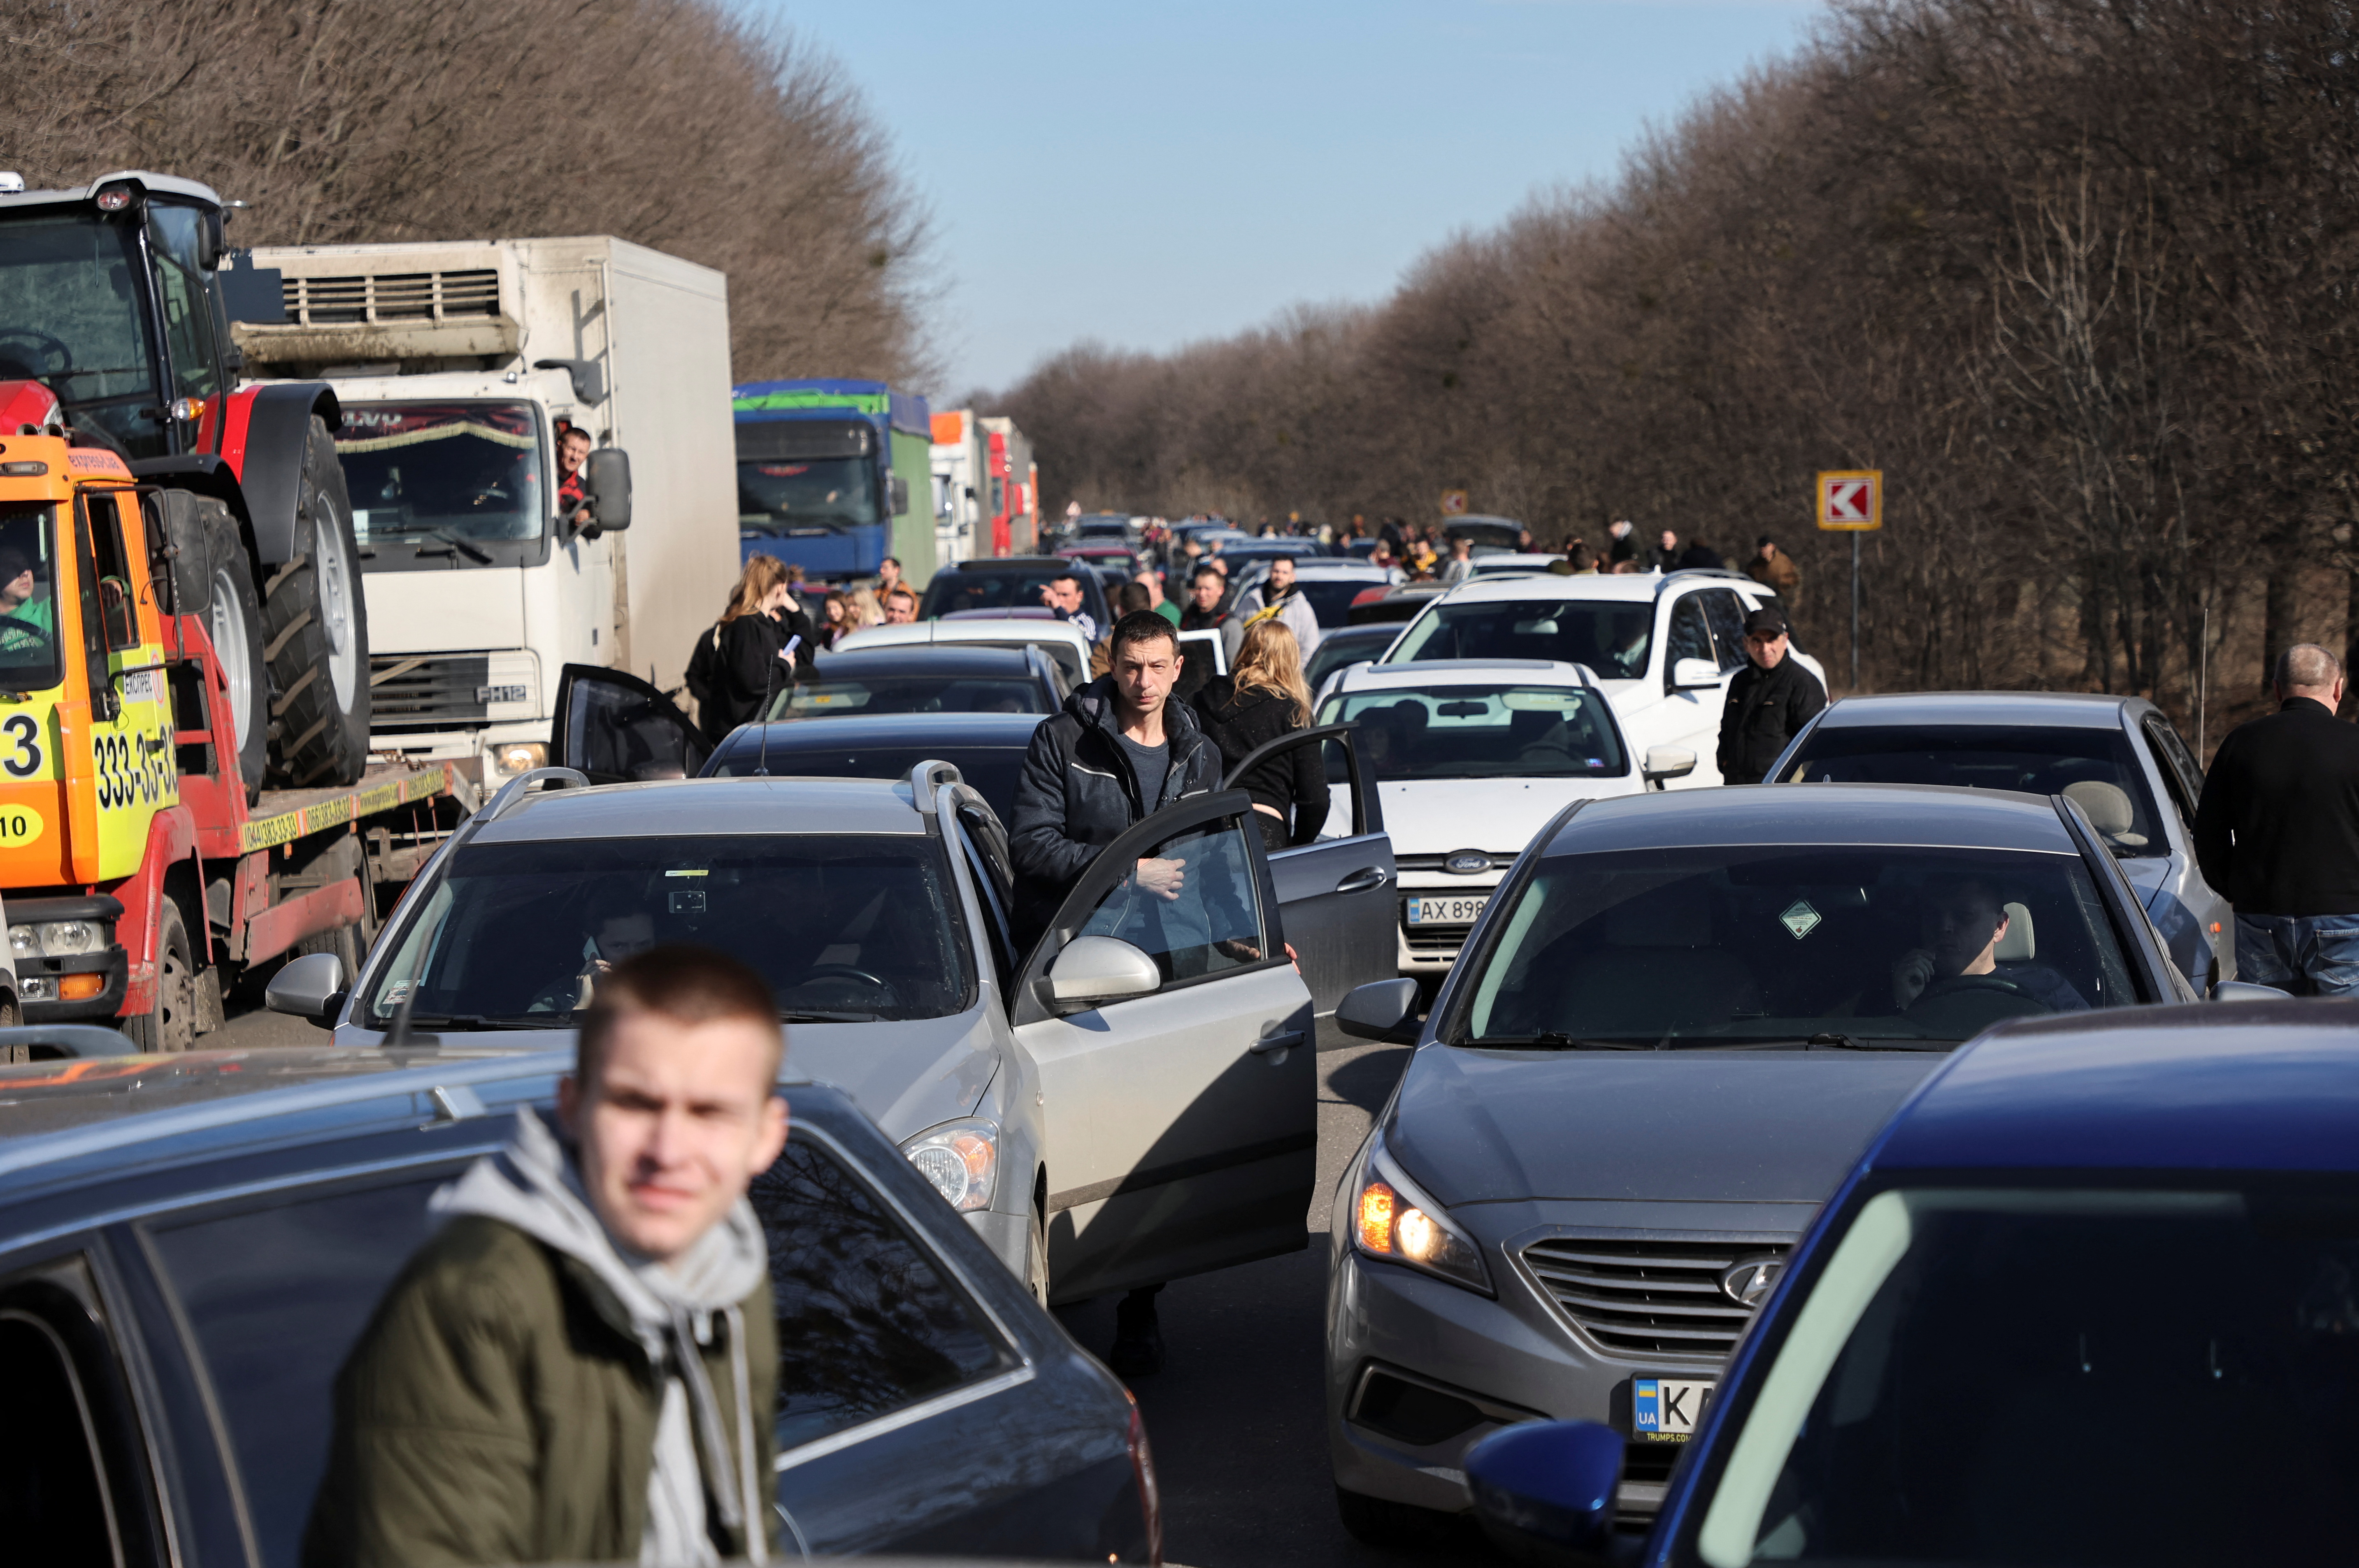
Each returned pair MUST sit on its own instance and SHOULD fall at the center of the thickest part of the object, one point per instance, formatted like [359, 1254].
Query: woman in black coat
[1263, 697]
[738, 670]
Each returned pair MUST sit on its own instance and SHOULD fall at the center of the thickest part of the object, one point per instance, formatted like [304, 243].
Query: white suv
[1663, 648]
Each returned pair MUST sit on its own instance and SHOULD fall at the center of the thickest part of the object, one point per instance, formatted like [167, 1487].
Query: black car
[986, 749]
[925, 679]
[1009, 582]
[194, 1243]
[1347, 645]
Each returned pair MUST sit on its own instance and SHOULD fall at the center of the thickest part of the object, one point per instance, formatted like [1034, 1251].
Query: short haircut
[1142, 625]
[1072, 577]
[899, 592]
[1129, 598]
[891, 561]
[570, 431]
[2307, 667]
[686, 985]
[1214, 572]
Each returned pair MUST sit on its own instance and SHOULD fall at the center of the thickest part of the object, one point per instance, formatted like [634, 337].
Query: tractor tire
[315, 626]
[234, 619]
[171, 1022]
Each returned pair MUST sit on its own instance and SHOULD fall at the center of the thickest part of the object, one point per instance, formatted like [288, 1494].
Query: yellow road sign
[1850, 500]
[1453, 503]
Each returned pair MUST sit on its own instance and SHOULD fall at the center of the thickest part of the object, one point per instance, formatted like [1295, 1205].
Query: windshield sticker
[1540, 702]
[1800, 919]
[699, 872]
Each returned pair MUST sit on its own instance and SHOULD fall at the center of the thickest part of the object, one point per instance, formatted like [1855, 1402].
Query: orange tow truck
[141, 874]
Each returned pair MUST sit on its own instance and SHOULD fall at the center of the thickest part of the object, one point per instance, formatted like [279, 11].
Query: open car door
[1173, 1042]
[617, 729]
[1335, 893]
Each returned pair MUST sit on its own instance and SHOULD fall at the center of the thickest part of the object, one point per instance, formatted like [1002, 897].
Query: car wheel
[1036, 1262]
[1378, 1521]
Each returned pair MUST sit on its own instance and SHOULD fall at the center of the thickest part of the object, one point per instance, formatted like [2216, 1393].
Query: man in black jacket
[2277, 833]
[1769, 702]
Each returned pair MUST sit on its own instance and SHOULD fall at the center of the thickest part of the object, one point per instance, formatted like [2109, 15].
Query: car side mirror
[610, 487]
[1381, 1009]
[2248, 991]
[1667, 762]
[1102, 969]
[1544, 1490]
[1692, 674]
[311, 986]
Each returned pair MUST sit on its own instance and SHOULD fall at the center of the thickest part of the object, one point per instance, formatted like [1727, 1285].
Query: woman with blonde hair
[1263, 697]
[741, 661]
[867, 610]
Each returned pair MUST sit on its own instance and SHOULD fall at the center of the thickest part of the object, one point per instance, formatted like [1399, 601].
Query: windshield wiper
[1550, 1039]
[479, 1020]
[802, 1015]
[1879, 1042]
[458, 542]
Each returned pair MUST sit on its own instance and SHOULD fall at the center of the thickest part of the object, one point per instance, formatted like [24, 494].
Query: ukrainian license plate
[1447, 912]
[1666, 1410]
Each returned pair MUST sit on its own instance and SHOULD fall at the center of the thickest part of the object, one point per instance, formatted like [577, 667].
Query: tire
[344, 941]
[234, 619]
[1036, 1262]
[171, 1024]
[315, 624]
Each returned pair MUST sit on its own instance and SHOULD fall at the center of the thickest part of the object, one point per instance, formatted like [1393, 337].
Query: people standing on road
[1129, 599]
[889, 577]
[867, 610]
[1624, 545]
[1280, 597]
[900, 606]
[1461, 565]
[1155, 597]
[1579, 561]
[2277, 833]
[581, 1365]
[1062, 593]
[1769, 702]
[1701, 557]
[1205, 614]
[1776, 571]
[1265, 698]
[741, 662]
[835, 618]
[1665, 556]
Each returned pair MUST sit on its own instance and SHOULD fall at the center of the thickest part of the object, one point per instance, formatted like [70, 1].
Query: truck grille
[370, 297]
[1648, 1297]
[412, 691]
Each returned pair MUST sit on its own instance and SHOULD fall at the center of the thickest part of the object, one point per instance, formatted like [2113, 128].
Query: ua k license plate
[1446, 911]
[1664, 1410]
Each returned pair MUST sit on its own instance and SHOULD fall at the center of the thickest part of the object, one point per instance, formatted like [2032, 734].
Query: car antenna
[762, 762]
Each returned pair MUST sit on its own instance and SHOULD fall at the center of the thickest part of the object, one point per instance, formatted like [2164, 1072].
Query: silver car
[1669, 1036]
[2119, 757]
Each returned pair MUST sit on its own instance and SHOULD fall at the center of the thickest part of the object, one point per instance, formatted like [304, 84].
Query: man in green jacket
[581, 1367]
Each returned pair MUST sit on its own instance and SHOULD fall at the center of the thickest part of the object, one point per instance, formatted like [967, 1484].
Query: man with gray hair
[2277, 831]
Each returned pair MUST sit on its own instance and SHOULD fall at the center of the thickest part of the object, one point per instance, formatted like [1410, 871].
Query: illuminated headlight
[1391, 1219]
[56, 938]
[960, 1158]
[517, 756]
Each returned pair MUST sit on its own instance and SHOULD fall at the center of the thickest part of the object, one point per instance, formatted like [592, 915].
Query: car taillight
[1142, 1467]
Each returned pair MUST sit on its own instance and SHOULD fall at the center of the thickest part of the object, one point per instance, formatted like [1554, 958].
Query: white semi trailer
[458, 364]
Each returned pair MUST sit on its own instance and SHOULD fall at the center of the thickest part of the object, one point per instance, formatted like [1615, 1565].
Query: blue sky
[1150, 175]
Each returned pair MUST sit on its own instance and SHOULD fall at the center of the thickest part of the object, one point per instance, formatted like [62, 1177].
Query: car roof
[1365, 631]
[1427, 672]
[1340, 566]
[2060, 710]
[1514, 561]
[1007, 564]
[1508, 586]
[2219, 1086]
[710, 807]
[1931, 816]
[949, 660]
[960, 732]
[950, 632]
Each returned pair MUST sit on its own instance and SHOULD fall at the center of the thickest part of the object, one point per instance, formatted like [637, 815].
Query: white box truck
[458, 365]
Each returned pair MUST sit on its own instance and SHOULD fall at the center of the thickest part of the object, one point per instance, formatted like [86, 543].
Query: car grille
[413, 692]
[1646, 1297]
[1500, 860]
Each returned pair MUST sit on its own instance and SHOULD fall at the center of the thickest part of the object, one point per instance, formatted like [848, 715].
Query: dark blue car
[191, 1245]
[2090, 1298]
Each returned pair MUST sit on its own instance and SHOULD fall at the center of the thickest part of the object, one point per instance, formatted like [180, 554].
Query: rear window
[823, 698]
[951, 592]
[1611, 637]
[2095, 768]
[992, 772]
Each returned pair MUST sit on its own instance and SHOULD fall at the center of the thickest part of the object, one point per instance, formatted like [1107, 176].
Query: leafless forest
[673, 122]
[2077, 275]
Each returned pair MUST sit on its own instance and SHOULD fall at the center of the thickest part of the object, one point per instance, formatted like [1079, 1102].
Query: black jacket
[1241, 723]
[1078, 794]
[2277, 829]
[1766, 708]
[743, 673]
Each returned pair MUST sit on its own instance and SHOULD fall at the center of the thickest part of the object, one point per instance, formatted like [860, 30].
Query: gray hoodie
[533, 1184]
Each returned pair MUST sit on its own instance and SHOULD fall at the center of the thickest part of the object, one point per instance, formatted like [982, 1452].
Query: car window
[1689, 637]
[1344, 648]
[2095, 768]
[1483, 732]
[2180, 773]
[985, 864]
[1716, 944]
[276, 1296]
[1610, 636]
[1331, 597]
[1214, 926]
[951, 591]
[992, 770]
[868, 1322]
[1725, 612]
[823, 698]
[846, 926]
[53, 1496]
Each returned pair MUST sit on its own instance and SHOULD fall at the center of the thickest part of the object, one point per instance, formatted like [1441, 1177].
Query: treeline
[2077, 275]
[678, 124]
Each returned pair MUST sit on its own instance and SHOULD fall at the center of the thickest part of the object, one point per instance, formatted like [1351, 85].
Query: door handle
[1366, 880]
[1271, 1042]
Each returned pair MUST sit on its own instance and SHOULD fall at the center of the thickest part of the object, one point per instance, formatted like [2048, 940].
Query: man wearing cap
[1769, 702]
[1776, 571]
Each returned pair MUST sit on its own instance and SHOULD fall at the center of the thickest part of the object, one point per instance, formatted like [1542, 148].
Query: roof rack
[928, 777]
[1722, 572]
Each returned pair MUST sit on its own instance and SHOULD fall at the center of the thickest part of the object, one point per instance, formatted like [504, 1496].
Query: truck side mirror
[898, 490]
[610, 487]
[209, 248]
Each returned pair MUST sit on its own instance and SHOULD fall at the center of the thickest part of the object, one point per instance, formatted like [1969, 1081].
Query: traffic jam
[738, 1056]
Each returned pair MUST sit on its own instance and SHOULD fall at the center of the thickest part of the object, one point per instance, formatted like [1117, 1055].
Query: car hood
[1434, 816]
[1475, 1126]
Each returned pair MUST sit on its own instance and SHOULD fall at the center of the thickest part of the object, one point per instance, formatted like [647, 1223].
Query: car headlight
[1393, 1220]
[960, 1158]
[56, 938]
[513, 757]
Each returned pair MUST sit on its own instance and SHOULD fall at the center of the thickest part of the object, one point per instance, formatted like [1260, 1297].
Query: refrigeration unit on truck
[458, 367]
[832, 476]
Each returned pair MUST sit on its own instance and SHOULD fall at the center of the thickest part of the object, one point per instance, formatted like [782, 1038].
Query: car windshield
[781, 494]
[823, 698]
[77, 274]
[1719, 945]
[1483, 732]
[2095, 768]
[1611, 636]
[426, 476]
[516, 936]
[1019, 590]
[1914, 1410]
[31, 659]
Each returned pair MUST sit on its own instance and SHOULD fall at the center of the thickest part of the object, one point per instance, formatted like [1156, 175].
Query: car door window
[54, 1504]
[1214, 923]
[868, 1322]
[276, 1294]
[2180, 774]
[1725, 612]
[975, 836]
[618, 729]
[1690, 637]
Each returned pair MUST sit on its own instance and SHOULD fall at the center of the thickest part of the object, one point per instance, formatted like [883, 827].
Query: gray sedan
[1669, 1036]
[2119, 757]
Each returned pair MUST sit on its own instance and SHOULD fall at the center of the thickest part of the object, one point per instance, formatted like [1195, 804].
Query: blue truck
[826, 473]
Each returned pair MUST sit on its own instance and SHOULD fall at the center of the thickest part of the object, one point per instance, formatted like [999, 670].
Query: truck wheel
[316, 625]
[171, 1024]
[234, 619]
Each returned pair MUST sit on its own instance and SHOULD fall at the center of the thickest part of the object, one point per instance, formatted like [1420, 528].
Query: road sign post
[1851, 501]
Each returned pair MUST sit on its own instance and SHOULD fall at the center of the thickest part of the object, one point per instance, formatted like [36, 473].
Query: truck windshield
[436, 478]
[780, 495]
[69, 294]
[29, 660]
